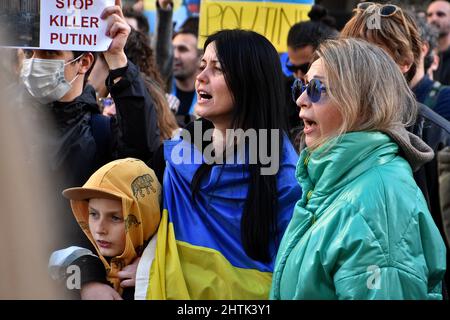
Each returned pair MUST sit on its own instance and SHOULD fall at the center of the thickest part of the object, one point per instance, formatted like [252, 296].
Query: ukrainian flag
[199, 254]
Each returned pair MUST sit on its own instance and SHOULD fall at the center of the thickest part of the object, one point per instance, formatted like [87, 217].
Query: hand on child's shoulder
[128, 274]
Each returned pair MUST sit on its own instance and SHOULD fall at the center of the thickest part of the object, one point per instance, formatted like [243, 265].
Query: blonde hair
[397, 34]
[366, 86]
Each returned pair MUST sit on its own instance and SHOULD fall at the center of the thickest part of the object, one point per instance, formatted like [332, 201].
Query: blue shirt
[442, 105]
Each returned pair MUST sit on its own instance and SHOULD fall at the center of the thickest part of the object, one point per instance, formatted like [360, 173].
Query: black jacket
[434, 130]
[442, 74]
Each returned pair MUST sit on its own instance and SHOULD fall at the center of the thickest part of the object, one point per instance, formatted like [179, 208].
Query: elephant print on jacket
[140, 183]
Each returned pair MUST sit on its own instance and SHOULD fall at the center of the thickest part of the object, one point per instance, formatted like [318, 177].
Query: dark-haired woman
[225, 212]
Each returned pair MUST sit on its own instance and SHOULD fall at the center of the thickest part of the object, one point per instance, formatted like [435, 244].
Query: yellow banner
[150, 5]
[271, 19]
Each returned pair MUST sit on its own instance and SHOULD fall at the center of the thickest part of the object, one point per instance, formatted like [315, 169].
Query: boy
[118, 210]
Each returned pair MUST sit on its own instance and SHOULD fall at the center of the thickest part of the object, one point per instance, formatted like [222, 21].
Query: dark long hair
[252, 71]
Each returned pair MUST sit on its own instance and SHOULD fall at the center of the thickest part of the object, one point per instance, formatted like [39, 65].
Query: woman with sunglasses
[302, 40]
[362, 229]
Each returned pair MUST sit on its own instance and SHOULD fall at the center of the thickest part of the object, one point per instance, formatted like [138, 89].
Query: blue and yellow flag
[199, 253]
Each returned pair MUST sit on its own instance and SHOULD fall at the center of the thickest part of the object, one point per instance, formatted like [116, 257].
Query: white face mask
[44, 78]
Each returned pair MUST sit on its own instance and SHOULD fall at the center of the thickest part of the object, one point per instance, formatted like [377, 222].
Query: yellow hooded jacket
[135, 184]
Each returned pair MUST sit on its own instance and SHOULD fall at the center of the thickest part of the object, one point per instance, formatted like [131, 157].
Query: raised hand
[117, 29]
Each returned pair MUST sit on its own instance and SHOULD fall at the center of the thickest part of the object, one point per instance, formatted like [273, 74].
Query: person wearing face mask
[44, 77]
[74, 137]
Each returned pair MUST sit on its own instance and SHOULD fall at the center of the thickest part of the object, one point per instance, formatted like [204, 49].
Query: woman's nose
[303, 100]
[202, 76]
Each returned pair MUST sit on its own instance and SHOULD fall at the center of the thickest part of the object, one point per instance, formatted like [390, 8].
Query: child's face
[107, 226]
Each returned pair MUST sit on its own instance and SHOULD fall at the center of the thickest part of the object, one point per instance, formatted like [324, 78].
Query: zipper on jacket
[305, 162]
[308, 196]
[310, 192]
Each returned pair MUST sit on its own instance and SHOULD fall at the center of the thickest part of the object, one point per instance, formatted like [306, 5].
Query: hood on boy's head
[135, 184]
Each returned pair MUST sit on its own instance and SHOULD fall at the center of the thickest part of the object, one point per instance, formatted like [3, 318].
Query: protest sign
[55, 24]
[273, 19]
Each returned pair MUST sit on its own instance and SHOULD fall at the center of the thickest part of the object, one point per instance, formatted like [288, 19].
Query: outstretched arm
[135, 129]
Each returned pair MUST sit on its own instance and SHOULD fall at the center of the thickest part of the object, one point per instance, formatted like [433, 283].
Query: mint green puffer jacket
[361, 230]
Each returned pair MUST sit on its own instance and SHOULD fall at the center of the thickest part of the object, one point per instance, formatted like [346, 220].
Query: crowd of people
[184, 173]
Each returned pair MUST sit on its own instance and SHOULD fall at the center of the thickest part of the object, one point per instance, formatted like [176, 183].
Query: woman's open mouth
[203, 96]
[309, 126]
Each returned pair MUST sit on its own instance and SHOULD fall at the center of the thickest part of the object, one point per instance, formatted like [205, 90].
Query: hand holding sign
[117, 29]
[64, 25]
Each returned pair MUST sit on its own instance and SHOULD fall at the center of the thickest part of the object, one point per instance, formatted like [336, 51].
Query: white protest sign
[74, 25]
[54, 24]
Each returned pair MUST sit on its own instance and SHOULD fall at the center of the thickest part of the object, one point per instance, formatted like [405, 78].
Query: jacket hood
[412, 148]
[136, 185]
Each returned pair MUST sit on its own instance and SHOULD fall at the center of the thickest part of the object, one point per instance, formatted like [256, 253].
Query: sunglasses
[295, 67]
[385, 10]
[313, 89]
